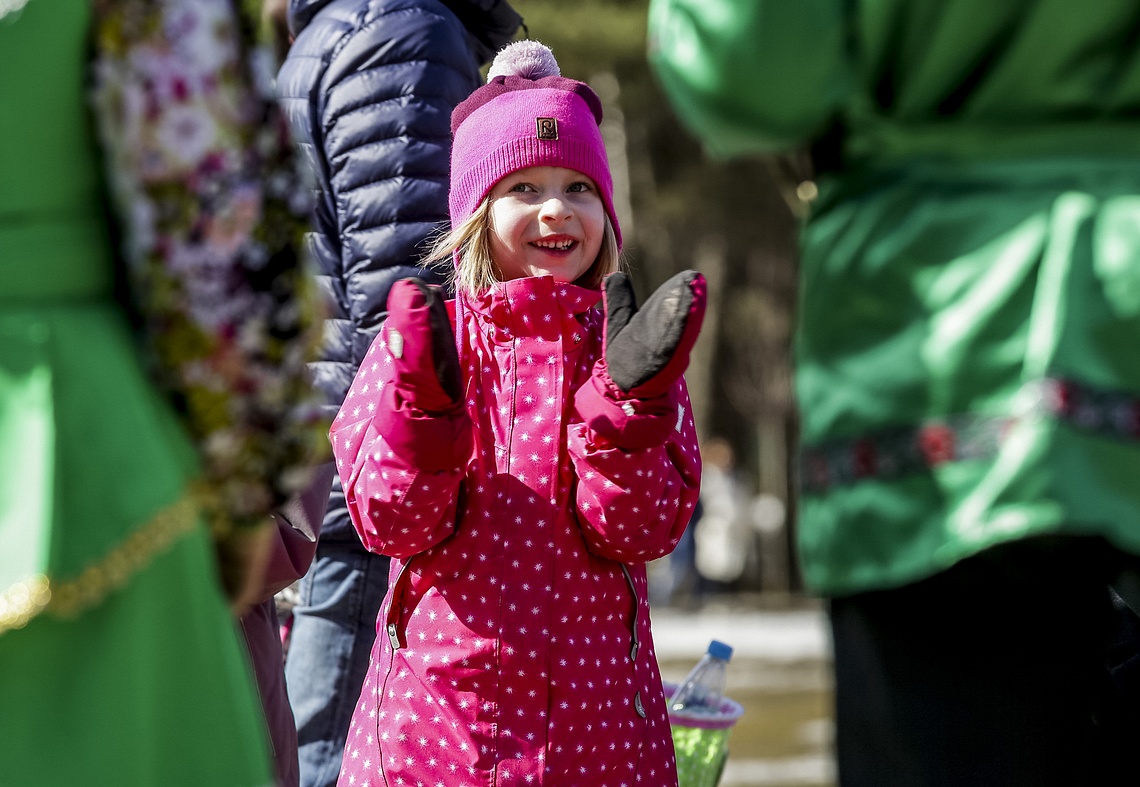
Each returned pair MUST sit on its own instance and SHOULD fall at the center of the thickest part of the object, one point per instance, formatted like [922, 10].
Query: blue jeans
[334, 626]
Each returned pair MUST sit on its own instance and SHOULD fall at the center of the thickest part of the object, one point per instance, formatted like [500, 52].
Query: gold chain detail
[23, 601]
[67, 598]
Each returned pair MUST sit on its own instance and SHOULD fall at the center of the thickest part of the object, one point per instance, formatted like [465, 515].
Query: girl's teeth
[563, 245]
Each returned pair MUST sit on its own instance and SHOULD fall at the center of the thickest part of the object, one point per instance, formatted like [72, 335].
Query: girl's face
[545, 221]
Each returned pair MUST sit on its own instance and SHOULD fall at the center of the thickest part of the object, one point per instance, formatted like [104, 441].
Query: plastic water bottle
[703, 687]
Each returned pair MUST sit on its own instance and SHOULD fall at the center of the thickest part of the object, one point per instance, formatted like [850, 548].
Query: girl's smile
[545, 221]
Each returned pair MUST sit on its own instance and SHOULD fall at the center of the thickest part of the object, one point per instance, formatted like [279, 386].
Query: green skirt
[967, 365]
[120, 662]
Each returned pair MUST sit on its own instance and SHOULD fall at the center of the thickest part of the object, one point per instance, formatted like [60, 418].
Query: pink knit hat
[527, 115]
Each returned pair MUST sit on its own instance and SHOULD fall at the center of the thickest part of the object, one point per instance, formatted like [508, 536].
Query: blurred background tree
[735, 222]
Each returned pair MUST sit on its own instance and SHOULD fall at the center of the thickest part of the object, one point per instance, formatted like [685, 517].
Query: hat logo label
[547, 128]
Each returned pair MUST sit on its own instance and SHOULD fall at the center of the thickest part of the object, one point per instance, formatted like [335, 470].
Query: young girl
[521, 483]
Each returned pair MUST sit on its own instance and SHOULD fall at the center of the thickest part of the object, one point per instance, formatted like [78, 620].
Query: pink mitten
[422, 415]
[423, 348]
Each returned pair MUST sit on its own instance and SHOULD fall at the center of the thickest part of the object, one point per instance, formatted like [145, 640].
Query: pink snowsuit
[514, 646]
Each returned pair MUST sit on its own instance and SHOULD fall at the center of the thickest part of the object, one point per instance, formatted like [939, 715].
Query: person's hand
[422, 346]
[422, 414]
[243, 556]
[647, 349]
[630, 399]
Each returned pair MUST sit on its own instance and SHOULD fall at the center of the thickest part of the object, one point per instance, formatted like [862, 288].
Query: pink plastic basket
[701, 741]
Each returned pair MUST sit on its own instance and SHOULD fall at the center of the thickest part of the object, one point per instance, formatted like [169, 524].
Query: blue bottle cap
[719, 650]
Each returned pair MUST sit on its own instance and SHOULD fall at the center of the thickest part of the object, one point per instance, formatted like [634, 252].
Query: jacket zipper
[395, 608]
[636, 645]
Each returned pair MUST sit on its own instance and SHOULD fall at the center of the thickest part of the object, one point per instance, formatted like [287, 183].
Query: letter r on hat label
[547, 128]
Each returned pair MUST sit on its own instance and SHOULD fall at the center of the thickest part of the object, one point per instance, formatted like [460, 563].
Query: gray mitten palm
[629, 399]
[647, 349]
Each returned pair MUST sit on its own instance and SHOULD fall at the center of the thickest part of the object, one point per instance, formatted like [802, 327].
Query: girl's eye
[521, 187]
[579, 187]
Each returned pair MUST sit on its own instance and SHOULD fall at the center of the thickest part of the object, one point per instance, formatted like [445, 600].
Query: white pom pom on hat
[528, 59]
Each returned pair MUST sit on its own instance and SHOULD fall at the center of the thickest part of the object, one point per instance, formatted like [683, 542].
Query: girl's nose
[554, 209]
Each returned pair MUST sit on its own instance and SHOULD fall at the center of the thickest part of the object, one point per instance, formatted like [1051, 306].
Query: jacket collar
[489, 23]
[535, 305]
[301, 12]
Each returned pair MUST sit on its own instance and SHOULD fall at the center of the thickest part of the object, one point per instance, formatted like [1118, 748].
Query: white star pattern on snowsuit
[522, 653]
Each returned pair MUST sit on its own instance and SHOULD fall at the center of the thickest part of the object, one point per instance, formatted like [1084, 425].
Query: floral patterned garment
[213, 201]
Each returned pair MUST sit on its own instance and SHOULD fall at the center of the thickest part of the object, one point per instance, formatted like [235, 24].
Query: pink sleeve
[397, 506]
[634, 505]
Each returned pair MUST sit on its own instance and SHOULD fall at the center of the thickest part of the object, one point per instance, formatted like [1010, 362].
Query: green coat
[970, 293]
[120, 664]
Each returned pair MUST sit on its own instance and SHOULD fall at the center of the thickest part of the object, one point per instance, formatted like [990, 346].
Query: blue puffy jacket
[368, 86]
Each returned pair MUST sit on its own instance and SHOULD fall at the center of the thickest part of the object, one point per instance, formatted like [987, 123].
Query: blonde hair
[475, 271]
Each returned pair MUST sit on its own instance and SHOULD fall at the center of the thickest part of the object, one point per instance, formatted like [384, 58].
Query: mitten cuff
[432, 442]
[626, 421]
